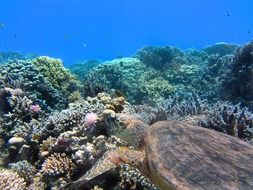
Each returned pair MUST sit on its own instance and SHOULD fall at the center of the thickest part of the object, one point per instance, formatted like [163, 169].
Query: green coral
[158, 57]
[156, 88]
[75, 96]
[24, 75]
[137, 81]
[183, 74]
[59, 77]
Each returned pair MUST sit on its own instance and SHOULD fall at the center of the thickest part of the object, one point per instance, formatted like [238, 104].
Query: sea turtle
[176, 155]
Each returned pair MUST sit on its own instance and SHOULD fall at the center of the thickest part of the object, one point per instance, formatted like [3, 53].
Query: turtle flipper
[104, 164]
[110, 160]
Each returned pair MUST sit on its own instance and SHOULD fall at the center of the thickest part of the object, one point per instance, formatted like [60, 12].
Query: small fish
[228, 13]
[119, 93]
[2, 25]
[66, 37]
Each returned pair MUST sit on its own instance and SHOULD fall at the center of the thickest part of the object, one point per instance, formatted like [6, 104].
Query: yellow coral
[57, 165]
[53, 70]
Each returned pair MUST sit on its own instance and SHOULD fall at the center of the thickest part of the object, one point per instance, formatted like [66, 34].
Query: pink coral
[90, 119]
[35, 109]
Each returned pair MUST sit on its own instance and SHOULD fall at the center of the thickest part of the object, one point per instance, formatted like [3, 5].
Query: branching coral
[132, 178]
[57, 165]
[11, 180]
[24, 169]
[59, 122]
[238, 83]
[231, 119]
[178, 106]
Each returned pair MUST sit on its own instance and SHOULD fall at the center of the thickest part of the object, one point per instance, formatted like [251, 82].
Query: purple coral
[35, 109]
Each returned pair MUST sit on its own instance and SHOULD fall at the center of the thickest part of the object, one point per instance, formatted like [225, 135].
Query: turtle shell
[183, 156]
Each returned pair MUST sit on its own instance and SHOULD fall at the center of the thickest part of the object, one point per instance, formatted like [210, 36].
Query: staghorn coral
[230, 119]
[178, 106]
[57, 165]
[34, 130]
[148, 114]
[10, 180]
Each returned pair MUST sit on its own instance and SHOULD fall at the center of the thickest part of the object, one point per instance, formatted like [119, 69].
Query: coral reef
[25, 76]
[102, 79]
[157, 57]
[133, 179]
[54, 72]
[6, 57]
[231, 119]
[57, 165]
[239, 78]
[221, 48]
[82, 68]
[11, 180]
[24, 170]
[88, 127]
[130, 76]
[179, 106]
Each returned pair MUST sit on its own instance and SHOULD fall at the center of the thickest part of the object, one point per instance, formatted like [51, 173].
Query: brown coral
[10, 180]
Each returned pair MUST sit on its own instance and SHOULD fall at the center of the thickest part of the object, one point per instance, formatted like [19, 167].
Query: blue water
[98, 29]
